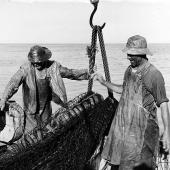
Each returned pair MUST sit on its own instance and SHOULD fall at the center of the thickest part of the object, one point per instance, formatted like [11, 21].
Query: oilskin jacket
[53, 84]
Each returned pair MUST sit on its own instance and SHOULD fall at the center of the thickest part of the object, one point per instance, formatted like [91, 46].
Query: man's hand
[98, 77]
[166, 141]
[117, 88]
[2, 104]
[166, 122]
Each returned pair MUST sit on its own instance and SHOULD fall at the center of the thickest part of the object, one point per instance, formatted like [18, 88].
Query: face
[135, 60]
[39, 65]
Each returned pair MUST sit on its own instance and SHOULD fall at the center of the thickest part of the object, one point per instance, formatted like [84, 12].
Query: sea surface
[74, 56]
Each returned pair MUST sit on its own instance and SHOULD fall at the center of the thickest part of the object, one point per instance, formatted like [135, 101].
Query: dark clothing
[154, 83]
[44, 108]
[133, 136]
[39, 92]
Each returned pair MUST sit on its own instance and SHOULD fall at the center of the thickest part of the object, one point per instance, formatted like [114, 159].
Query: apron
[128, 144]
[44, 109]
[35, 122]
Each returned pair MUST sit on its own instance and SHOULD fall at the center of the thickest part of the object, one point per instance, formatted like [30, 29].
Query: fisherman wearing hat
[134, 134]
[42, 83]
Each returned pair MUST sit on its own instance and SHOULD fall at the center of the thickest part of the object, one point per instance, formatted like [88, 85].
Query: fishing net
[69, 139]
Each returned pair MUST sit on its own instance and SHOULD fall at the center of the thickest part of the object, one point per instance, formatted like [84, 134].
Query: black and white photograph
[84, 85]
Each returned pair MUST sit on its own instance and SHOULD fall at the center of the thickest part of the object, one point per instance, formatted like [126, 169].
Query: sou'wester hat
[39, 54]
[136, 45]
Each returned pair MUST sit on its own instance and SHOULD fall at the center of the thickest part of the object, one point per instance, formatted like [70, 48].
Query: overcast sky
[67, 21]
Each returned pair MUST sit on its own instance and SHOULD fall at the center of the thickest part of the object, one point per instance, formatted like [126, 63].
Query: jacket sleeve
[13, 85]
[74, 74]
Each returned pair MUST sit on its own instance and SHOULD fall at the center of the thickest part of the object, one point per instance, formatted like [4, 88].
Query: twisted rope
[104, 57]
[91, 51]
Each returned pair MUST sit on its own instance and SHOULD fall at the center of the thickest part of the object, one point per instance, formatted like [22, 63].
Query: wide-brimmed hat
[39, 54]
[137, 45]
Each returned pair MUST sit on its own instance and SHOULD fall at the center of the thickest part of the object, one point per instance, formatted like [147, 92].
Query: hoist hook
[95, 4]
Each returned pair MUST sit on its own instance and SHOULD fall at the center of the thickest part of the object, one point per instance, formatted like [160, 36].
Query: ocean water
[74, 56]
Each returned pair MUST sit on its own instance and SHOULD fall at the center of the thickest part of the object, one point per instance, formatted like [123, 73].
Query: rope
[91, 50]
[105, 62]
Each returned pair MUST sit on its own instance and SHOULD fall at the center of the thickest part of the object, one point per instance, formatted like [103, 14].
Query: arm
[159, 93]
[165, 115]
[74, 74]
[12, 87]
[114, 87]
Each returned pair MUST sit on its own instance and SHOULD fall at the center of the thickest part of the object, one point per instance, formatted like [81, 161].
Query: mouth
[39, 68]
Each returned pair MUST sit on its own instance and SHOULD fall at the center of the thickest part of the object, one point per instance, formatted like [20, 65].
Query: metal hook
[95, 4]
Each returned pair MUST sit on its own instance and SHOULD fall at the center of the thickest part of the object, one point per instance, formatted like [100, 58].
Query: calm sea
[74, 56]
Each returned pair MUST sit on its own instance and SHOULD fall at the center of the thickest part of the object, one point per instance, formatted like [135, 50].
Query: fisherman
[42, 83]
[134, 134]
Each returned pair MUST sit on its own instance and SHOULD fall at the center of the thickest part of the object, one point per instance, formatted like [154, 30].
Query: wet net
[69, 139]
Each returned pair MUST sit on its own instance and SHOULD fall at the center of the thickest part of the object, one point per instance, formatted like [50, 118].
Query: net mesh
[72, 139]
